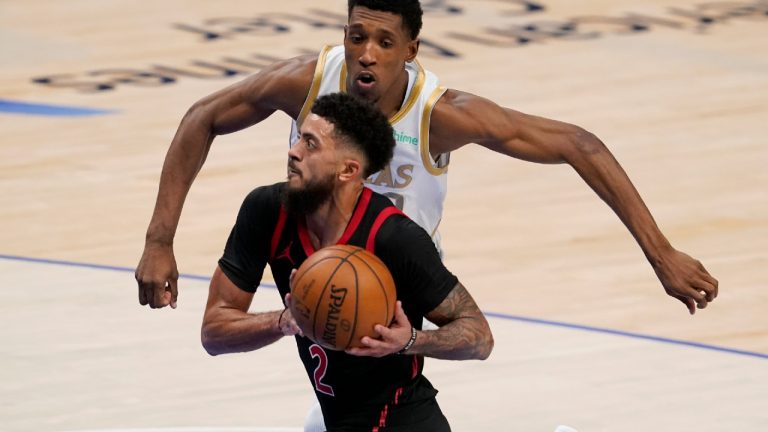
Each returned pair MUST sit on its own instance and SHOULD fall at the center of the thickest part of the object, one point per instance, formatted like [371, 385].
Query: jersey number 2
[317, 352]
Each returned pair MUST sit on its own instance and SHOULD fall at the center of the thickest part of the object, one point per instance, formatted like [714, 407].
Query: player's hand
[686, 279]
[391, 339]
[286, 322]
[157, 276]
[292, 279]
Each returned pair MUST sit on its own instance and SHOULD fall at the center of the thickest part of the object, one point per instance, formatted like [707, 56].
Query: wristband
[410, 342]
[281, 319]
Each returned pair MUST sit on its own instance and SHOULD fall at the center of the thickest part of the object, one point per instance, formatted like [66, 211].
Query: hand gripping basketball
[340, 294]
[398, 338]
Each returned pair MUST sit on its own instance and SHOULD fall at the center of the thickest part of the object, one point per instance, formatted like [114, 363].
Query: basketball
[339, 294]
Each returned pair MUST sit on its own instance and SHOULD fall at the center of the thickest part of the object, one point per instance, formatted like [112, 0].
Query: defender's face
[376, 47]
[313, 157]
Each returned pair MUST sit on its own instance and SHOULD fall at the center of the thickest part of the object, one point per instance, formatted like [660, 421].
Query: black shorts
[416, 410]
[426, 416]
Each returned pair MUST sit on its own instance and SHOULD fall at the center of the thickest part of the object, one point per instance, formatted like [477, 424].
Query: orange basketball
[339, 294]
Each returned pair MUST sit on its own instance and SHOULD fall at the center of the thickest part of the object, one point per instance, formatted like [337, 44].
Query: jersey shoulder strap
[377, 223]
[317, 80]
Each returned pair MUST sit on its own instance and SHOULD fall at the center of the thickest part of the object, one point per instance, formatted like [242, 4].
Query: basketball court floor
[91, 93]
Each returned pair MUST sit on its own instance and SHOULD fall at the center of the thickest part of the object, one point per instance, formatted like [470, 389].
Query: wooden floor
[585, 335]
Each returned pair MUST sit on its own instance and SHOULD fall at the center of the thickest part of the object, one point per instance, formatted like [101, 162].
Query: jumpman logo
[286, 253]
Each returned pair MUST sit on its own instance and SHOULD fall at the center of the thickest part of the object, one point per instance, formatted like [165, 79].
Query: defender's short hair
[362, 125]
[409, 10]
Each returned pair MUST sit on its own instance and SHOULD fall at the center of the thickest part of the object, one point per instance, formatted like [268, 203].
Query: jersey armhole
[441, 166]
[315, 88]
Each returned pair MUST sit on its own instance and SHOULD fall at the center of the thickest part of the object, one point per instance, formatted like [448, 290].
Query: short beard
[306, 200]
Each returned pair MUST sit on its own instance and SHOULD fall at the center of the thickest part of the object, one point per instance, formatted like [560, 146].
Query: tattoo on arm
[463, 334]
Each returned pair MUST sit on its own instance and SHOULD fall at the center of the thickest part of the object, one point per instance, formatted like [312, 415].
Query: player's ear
[413, 50]
[346, 29]
[351, 169]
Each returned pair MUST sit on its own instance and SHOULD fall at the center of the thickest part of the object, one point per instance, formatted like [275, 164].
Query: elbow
[486, 347]
[208, 342]
[585, 142]
[196, 111]
[200, 114]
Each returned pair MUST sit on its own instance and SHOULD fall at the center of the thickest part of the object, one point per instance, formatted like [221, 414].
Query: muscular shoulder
[264, 197]
[247, 249]
[280, 86]
[401, 236]
[460, 118]
[260, 207]
[285, 83]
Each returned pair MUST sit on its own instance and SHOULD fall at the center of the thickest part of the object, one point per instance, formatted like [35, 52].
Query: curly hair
[362, 125]
[409, 10]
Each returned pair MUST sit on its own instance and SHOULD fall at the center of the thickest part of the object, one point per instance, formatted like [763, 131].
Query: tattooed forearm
[463, 334]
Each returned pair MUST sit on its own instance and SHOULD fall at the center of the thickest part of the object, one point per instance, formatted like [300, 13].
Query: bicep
[281, 86]
[457, 304]
[461, 118]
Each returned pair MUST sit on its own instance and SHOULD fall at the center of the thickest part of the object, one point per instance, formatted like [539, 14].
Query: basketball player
[377, 62]
[324, 202]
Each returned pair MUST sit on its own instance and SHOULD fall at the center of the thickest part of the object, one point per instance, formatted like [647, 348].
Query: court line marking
[504, 316]
[38, 109]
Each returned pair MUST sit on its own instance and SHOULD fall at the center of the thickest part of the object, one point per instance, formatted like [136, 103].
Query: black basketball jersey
[354, 392]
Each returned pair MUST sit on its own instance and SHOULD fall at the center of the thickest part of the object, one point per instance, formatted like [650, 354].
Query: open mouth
[365, 80]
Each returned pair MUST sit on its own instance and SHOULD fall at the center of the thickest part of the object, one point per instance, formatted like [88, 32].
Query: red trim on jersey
[276, 234]
[357, 216]
[385, 411]
[415, 366]
[383, 417]
[397, 395]
[354, 222]
[380, 219]
[306, 243]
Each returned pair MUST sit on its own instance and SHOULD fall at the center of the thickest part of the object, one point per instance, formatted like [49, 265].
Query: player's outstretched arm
[229, 328]
[464, 333]
[282, 86]
[460, 118]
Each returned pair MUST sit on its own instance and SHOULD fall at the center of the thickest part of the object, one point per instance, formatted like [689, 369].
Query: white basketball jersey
[415, 182]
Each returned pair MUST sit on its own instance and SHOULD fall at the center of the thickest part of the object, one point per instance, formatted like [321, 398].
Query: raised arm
[282, 86]
[460, 118]
[463, 332]
[229, 328]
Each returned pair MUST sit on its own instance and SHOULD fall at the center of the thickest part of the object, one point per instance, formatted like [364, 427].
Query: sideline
[489, 314]
[37, 109]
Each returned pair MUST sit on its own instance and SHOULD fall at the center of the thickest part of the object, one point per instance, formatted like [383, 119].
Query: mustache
[292, 167]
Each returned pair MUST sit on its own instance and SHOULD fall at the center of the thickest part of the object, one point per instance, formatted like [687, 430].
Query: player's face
[377, 46]
[313, 157]
[312, 167]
